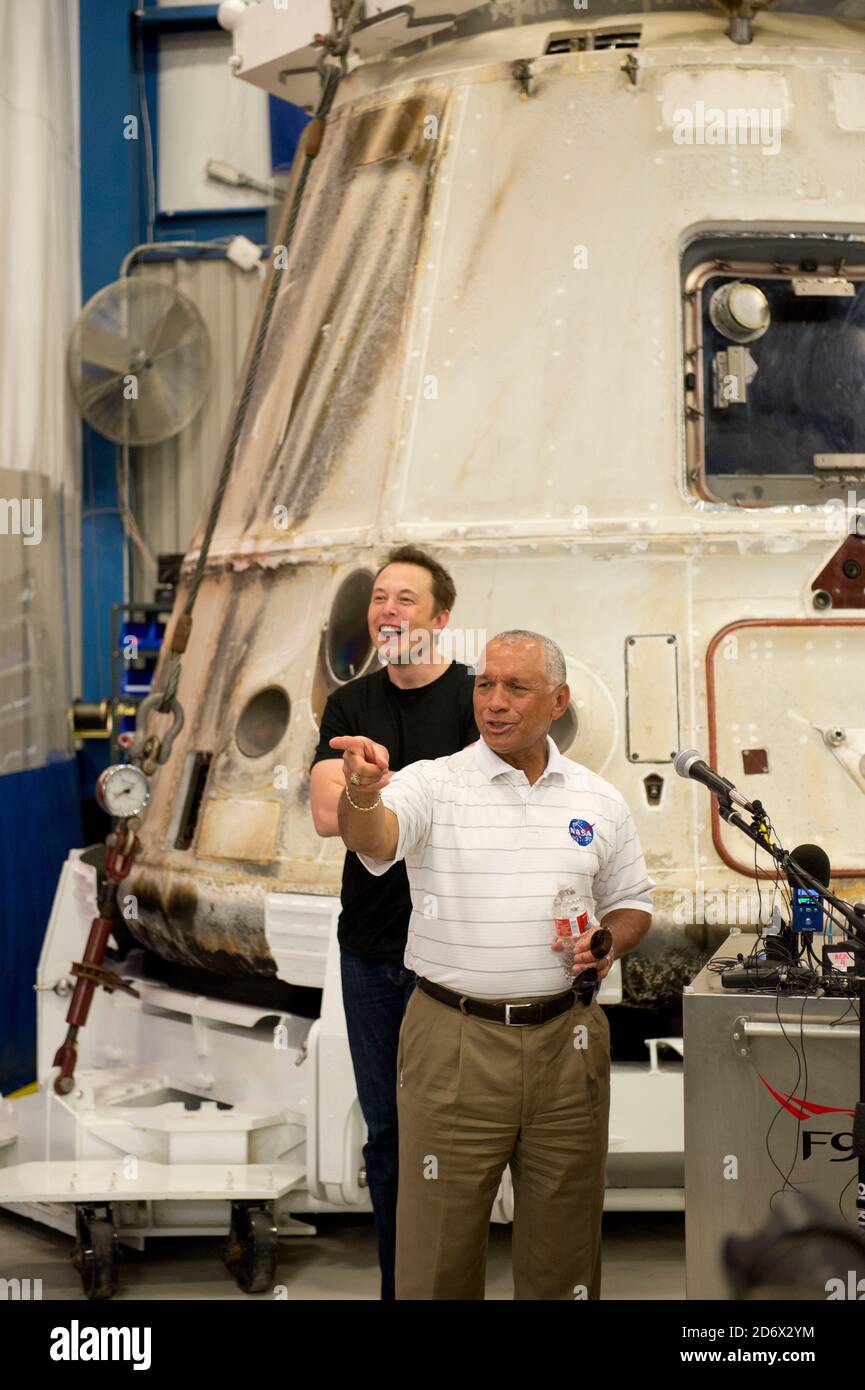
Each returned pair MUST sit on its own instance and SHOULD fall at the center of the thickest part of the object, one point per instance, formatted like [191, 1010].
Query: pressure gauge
[122, 790]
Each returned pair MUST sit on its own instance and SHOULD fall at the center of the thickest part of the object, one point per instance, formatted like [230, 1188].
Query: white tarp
[40, 296]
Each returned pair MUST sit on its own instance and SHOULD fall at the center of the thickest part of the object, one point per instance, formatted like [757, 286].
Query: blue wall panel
[111, 215]
[40, 821]
[287, 123]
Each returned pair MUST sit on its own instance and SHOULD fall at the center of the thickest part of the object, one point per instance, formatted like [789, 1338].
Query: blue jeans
[375, 994]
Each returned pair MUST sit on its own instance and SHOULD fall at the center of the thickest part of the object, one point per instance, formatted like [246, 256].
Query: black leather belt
[540, 1011]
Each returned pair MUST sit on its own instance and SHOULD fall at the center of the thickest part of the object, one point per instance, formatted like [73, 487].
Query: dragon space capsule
[578, 303]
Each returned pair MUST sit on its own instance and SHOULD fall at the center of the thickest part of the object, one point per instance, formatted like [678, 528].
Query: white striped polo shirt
[486, 852]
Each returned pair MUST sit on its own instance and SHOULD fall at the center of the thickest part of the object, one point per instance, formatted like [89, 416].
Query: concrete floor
[644, 1256]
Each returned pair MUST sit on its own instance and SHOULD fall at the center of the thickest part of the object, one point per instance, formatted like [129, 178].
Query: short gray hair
[554, 657]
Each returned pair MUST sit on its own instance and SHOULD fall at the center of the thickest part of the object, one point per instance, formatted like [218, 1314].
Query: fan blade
[110, 417]
[90, 395]
[188, 337]
[105, 350]
[170, 329]
[158, 411]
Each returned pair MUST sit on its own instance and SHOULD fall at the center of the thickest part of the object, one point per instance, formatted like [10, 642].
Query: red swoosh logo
[803, 1109]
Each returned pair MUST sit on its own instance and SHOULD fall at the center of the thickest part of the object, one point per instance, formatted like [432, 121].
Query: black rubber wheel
[95, 1255]
[252, 1250]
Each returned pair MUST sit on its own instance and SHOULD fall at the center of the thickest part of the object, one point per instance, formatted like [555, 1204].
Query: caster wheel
[252, 1249]
[96, 1253]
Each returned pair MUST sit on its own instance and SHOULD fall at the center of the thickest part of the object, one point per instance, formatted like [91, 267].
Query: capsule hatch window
[774, 368]
[345, 649]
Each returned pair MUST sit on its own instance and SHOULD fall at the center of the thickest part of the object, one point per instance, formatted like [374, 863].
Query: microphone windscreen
[814, 860]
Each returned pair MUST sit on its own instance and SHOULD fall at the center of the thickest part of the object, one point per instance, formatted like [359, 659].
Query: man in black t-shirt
[418, 706]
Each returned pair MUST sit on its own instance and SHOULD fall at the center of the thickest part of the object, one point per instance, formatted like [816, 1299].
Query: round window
[347, 644]
[263, 722]
[563, 730]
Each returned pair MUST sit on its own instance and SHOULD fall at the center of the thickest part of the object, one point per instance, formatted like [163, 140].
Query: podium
[762, 1069]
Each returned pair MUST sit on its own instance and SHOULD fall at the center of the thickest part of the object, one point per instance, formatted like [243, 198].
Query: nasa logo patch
[582, 832]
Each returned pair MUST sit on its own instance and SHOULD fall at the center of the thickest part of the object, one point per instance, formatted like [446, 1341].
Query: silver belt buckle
[515, 1023]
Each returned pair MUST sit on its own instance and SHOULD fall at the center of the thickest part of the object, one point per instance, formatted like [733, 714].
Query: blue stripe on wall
[40, 821]
[113, 219]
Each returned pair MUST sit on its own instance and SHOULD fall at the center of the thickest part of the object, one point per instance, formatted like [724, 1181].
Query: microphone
[807, 902]
[688, 763]
[807, 906]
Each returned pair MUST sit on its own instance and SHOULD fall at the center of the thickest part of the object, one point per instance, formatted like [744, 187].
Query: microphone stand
[854, 917]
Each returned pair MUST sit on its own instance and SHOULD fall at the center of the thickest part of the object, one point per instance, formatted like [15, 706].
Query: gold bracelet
[361, 808]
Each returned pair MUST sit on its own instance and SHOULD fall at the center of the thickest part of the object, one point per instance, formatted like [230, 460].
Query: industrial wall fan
[139, 361]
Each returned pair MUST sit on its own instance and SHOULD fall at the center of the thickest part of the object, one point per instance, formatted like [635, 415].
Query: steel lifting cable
[152, 751]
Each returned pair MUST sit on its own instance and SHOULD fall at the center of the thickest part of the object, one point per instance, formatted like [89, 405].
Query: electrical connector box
[244, 253]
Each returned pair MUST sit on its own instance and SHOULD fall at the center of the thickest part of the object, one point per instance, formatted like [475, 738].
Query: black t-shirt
[427, 722]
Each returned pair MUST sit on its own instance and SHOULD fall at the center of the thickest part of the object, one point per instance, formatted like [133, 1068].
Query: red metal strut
[121, 848]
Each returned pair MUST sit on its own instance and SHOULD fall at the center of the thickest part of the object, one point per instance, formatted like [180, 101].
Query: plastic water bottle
[571, 920]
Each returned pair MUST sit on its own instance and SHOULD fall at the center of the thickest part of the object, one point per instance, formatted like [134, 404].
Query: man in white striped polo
[499, 1063]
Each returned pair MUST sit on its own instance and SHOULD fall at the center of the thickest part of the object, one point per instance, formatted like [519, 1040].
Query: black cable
[785, 1177]
[718, 964]
[811, 981]
[851, 1005]
[854, 1175]
[851, 1179]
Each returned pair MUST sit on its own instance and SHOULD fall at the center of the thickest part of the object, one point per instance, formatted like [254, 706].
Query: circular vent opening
[563, 730]
[348, 646]
[263, 722]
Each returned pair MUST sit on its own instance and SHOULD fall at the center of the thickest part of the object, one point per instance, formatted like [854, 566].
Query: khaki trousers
[475, 1096]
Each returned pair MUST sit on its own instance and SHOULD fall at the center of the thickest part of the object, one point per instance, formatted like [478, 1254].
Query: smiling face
[514, 705]
[402, 604]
